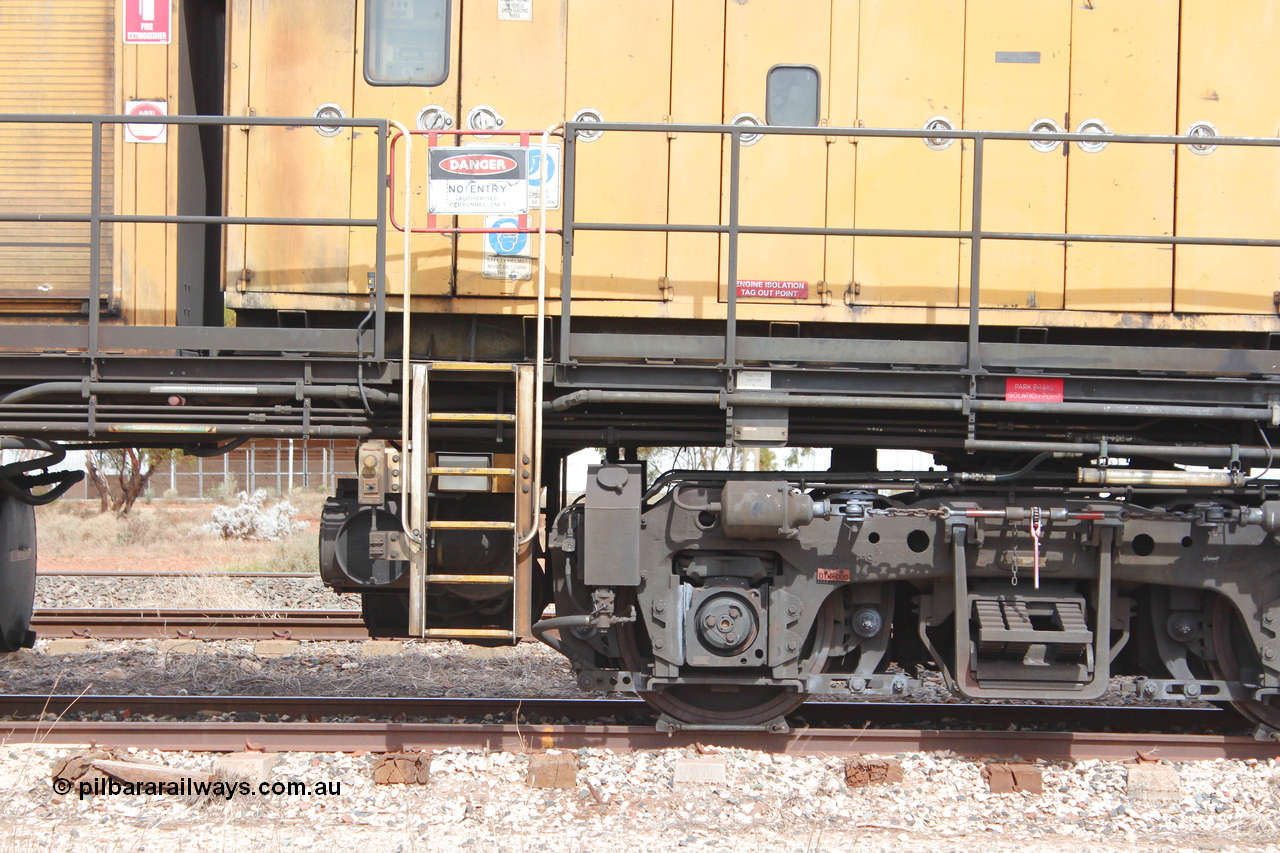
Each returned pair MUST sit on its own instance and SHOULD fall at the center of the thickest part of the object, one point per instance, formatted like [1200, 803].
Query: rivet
[524, 489]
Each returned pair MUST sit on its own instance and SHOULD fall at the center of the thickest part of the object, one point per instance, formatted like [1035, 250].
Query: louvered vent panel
[56, 56]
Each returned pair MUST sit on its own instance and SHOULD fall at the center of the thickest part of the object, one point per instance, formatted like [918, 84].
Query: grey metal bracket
[1180, 690]
[871, 686]
[669, 725]
[1266, 734]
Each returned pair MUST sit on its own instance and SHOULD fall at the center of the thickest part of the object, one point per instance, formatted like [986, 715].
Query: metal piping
[327, 392]
[405, 525]
[1159, 451]
[539, 351]
[1142, 477]
[815, 401]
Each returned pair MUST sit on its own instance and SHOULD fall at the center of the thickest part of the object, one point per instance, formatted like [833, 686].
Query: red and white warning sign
[761, 289]
[146, 21]
[146, 132]
[1028, 390]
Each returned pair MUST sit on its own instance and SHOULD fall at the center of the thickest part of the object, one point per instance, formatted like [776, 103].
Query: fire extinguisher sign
[147, 21]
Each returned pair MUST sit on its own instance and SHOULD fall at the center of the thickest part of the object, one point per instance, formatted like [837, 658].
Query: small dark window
[792, 96]
[406, 42]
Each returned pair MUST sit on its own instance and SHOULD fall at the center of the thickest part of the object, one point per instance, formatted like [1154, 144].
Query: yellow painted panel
[1119, 48]
[693, 194]
[239, 36]
[518, 68]
[298, 62]
[1017, 68]
[54, 58]
[911, 61]
[432, 253]
[783, 179]
[620, 65]
[1230, 62]
[153, 299]
[842, 156]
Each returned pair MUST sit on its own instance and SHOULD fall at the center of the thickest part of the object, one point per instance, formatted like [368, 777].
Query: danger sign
[478, 180]
[146, 21]
[146, 132]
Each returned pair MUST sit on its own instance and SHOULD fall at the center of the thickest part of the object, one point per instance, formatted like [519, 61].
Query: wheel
[745, 705]
[17, 573]
[1236, 654]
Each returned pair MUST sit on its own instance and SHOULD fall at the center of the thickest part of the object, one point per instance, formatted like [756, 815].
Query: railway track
[153, 624]
[624, 725]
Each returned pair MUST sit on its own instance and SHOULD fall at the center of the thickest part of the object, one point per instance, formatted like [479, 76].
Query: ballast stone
[1013, 778]
[1152, 783]
[860, 772]
[70, 647]
[553, 771]
[710, 769]
[249, 766]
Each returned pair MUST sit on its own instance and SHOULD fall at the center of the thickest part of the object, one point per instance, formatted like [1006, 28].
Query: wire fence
[280, 466]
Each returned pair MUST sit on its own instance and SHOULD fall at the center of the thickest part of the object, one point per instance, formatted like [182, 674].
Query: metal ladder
[522, 525]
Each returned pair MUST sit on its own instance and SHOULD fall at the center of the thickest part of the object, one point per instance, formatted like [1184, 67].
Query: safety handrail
[975, 233]
[212, 338]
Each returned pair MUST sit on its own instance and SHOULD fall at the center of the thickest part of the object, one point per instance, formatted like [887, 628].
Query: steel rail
[150, 624]
[386, 737]
[990, 717]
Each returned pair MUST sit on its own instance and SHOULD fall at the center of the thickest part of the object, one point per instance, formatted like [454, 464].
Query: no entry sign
[146, 132]
[146, 21]
[478, 180]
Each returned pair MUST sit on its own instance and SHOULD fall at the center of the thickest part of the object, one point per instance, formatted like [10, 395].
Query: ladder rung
[489, 579]
[476, 472]
[471, 525]
[470, 417]
[471, 365]
[467, 634]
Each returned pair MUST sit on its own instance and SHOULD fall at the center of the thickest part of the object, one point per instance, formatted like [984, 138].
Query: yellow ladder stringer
[522, 525]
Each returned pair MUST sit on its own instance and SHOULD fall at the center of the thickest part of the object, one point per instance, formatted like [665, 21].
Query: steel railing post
[566, 267]
[975, 259]
[95, 236]
[731, 311]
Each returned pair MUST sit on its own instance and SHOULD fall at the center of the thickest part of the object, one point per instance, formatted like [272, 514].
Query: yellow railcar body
[1133, 66]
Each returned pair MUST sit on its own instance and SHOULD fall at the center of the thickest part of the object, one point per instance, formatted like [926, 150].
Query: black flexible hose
[540, 629]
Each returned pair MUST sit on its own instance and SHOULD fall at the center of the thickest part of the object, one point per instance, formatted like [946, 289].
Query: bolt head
[731, 638]
[659, 607]
[793, 610]
[1269, 617]
[792, 645]
[710, 621]
[1149, 690]
[1269, 654]
[857, 685]
[735, 611]
[659, 643]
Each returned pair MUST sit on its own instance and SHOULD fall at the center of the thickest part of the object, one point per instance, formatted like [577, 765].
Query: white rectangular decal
[146, 132]
[515, 10]
[553, 176]
[755, 380]
[507, 257]
[478, 180]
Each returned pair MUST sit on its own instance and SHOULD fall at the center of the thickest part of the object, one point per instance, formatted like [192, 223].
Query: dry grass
[168, 536]
[329, 669]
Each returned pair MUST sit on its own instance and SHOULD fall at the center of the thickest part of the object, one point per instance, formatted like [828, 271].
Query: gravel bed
[226, 592]
[479, 801]
[430, 668]
[231, 668]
